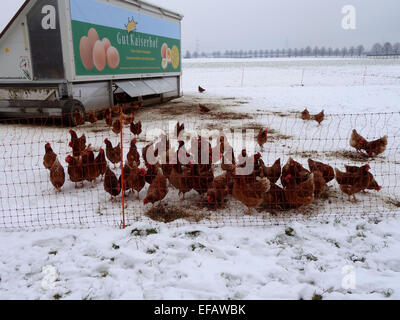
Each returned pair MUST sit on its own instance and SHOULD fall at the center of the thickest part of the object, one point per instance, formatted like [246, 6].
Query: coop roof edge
[10, 23]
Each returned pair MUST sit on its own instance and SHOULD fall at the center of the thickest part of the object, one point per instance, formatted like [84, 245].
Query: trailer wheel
[75, 114]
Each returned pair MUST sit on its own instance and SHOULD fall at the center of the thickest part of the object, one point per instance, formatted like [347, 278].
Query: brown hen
[57, 175]
[133, 155]
[218, 190]
[75, 170]
[377, 147]
[262, 138]
[353, 183]
[111, 184]
[101, 163]
[326, 170]
[299, 195]
[181, 179]
[272, 173]
[113, 154]
[250, 192]
[305, 115]
[78, 145]
[158, 190]
[90, 169]
[319, 184]
[296, 170]
[49, 157]
[117, 126]
[275, 198]
[357, 141]
[373, 184]
[136, 128]
[203, 177]
[92, 117]
[137, 179]
[319, 117]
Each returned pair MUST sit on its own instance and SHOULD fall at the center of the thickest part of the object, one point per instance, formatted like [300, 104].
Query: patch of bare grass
[305, 154]
[393, 202]
[168, 214]
[230, 115]
[346, 154]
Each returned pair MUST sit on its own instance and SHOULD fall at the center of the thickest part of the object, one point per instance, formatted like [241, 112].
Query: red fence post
[122, 171]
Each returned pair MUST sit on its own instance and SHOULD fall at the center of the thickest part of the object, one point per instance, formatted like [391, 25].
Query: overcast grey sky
[273, 24]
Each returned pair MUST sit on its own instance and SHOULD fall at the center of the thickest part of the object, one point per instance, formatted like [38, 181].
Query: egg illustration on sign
[86, 53]
[106, 43]
[113, 57]
[98, 53]
[93, 36]
[164, 51]
[99, 56]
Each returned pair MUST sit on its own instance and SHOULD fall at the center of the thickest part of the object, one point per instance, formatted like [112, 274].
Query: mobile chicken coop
[62, 56]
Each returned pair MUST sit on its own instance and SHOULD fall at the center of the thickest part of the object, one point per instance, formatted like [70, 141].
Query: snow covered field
[300, 258]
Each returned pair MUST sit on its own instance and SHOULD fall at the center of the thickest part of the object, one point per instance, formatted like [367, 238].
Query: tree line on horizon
[387, 49]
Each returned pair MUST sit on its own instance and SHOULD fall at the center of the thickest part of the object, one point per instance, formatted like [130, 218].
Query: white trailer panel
[80, 50]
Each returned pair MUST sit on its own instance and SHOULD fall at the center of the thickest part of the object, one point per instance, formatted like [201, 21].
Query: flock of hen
[300, 186]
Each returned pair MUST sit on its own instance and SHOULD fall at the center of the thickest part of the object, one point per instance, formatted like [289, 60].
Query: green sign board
[109, 40]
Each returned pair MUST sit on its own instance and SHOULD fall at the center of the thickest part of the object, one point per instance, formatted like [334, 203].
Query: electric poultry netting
[84, 187]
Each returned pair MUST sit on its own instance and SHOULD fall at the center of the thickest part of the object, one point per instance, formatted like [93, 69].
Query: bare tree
[360, 50]
[387, 48]
[308, 51]
[396, 48]
[322, 51]
[336, 52]
[344, 51]
[377, 49]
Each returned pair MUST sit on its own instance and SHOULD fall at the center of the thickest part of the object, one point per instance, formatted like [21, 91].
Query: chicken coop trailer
[58, 57]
